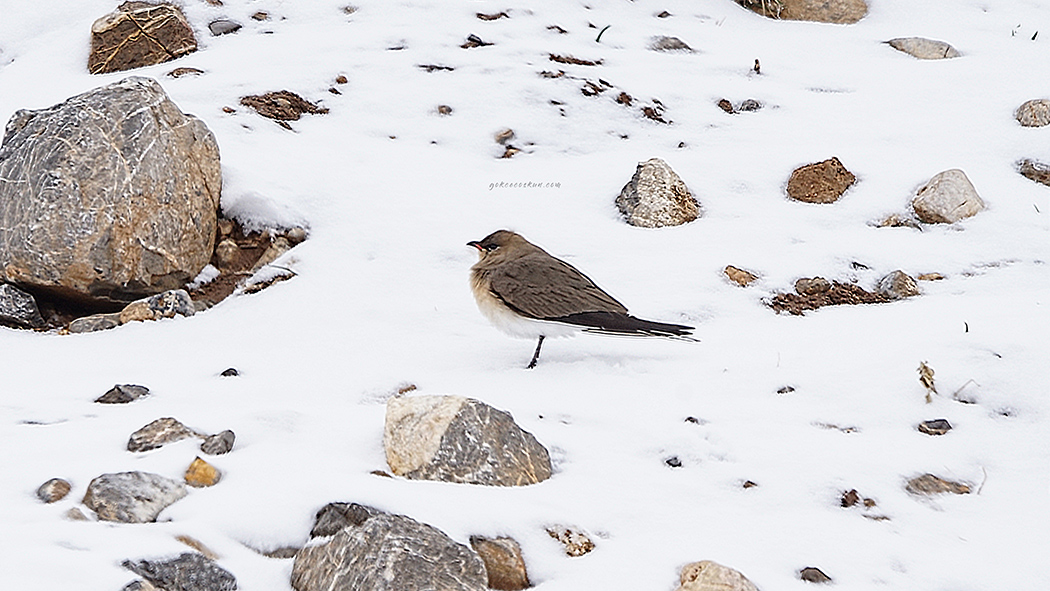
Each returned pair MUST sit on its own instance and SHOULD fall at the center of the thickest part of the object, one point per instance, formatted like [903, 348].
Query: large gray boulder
[132, 497]
[111, 195]
[387, 553]
[457, 439]
[656, 197]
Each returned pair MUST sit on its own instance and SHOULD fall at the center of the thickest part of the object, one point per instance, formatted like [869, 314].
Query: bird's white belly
[509, 322]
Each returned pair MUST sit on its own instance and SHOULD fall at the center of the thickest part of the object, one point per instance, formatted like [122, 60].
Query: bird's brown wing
[541, 286]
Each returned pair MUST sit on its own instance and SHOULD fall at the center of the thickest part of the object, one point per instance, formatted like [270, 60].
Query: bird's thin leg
[536, 355]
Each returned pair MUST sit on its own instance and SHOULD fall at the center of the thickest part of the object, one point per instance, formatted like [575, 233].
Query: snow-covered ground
[392, 191]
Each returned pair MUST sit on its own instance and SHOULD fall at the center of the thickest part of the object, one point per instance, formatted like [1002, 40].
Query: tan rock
[201, 474]
[739, 276]
[503, 562]
[711, 576]
[136, 312]
[928, 484]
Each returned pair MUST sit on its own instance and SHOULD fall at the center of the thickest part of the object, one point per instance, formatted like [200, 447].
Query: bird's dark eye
[491, 247]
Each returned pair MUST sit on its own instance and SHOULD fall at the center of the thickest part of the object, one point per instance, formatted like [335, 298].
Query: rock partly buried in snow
[504, 563]
[386, 553]
[812, 285]
[1034, 113]
[656, 197]
[669, 44]
[218, 444]
[163, 305]
[334, 517]
[114, 194]
[201, 474]
[947, 198]
[898, 285]
[95, 322]
[575, 542]
[123, 394]
[935, 427]
[812, 574]
[739, 276]
[711, 576]
[1036, 171]
[139, 34]
[18, 308]
[924, 49]
[457, 439]
[132, 497]
[53, 490]
[928, 484]
[820, 182]
[223, 26]
[190, 571]
[159, 433]
[840, 12]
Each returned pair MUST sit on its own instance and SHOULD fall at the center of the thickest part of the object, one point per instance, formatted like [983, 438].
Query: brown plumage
[526, 292]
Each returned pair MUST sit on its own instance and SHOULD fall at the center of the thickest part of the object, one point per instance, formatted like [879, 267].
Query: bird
[527, 293]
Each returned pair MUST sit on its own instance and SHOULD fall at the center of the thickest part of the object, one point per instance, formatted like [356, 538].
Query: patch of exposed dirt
[568, 59]
[282, 106]
[839, 294]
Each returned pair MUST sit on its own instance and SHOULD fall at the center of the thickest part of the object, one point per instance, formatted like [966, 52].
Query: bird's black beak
[475, 244]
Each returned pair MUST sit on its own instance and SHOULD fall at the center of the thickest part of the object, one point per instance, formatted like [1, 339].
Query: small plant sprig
[926, 379]
[598, 39]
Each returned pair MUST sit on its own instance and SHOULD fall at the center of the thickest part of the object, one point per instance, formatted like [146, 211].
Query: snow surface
[391, 192]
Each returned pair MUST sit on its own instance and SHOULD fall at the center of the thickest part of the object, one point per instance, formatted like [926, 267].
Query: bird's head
[501, 244]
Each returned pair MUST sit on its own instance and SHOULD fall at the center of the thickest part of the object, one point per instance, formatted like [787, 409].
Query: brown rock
[812, 574]
[53, 490]
[503, 562]
[850, 498]
[930, 277]
[139, 34]
[576, 542]
[227, 254]
[180, 72]
[123, 394]
[201, 474]
[841, 12]
[928, 484]
[821, 182]
[282, 105]
[726, 106]
[118, 204]
[739, 276]
[1036, 171]
[837, 295]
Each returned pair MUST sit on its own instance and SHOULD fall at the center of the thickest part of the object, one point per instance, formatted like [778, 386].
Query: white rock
[711, 576]
[1034, 113]
[924, 49]
[947, 198]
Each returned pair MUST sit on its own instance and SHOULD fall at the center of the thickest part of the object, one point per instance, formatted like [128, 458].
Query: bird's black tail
[624, 324]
